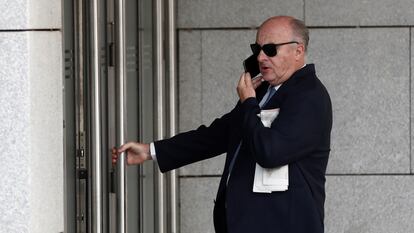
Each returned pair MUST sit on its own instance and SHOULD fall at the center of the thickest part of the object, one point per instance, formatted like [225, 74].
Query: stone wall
[363, 53]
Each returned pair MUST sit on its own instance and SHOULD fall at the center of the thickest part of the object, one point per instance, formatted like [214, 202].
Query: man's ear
[300, 51]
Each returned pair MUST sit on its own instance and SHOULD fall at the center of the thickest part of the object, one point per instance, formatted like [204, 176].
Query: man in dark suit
[299, 137]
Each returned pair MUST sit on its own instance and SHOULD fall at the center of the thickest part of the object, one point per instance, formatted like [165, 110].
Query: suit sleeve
[297, 130]
[195, 145]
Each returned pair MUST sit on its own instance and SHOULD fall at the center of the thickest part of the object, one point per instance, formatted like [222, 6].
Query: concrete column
[31, 125]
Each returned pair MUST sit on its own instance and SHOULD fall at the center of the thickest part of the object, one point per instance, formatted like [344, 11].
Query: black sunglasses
[269, 49]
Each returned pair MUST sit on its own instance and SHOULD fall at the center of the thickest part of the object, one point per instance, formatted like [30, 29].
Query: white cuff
[152, 151]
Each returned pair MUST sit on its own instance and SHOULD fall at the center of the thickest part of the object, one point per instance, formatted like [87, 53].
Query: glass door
[116, 60]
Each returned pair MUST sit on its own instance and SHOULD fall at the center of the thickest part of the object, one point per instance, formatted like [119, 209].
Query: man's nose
[262, 56]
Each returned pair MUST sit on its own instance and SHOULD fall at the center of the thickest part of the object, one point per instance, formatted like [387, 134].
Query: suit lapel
[274, 101]
[298, 78]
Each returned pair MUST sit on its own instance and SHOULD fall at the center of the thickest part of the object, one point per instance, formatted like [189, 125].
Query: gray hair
[300, 31]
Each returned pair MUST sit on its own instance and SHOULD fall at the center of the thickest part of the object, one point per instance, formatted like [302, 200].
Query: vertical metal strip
[69, 109]
[120, 111]
[79, 24]
[160, 106]
[96, 153]
[172, 65]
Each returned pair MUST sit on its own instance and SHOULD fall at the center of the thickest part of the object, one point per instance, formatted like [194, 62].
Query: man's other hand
[246, 87]
[136, 153]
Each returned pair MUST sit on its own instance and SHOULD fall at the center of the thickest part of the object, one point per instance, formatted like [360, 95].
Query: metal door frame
[93, 57]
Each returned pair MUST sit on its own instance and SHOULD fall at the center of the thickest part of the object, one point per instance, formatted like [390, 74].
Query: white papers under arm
[272, 179]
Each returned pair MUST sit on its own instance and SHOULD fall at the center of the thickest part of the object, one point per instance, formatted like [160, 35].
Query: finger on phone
[241, 80]
[248, 79]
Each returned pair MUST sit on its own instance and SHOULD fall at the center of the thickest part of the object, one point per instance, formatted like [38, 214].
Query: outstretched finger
[125, 147]
[257, 82]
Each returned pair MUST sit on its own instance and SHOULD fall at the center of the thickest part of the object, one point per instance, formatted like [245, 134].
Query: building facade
[362, 50]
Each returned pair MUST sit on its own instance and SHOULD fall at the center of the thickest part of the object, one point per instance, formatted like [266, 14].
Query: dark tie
[270, 92]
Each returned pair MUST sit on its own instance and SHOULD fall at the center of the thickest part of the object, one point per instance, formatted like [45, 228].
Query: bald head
[291, 28]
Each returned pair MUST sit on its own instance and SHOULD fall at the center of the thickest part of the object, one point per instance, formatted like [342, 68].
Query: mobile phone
[251, 65]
